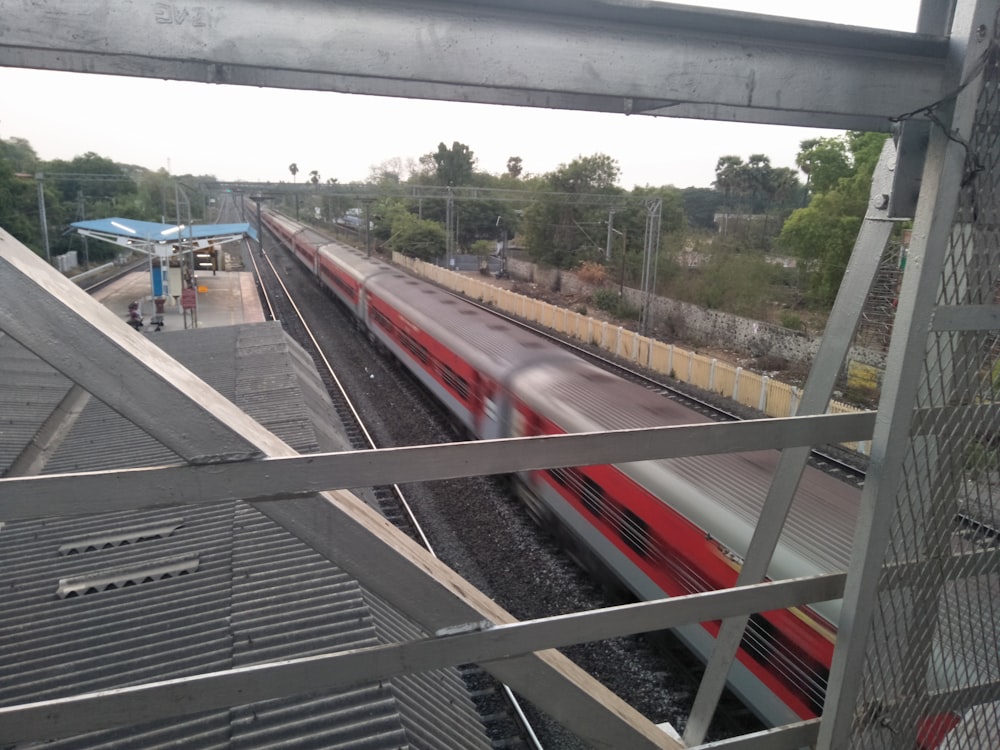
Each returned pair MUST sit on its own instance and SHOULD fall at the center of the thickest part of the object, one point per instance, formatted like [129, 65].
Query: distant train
[668, 527]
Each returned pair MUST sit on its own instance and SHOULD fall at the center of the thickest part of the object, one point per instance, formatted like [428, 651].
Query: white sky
[254, 134]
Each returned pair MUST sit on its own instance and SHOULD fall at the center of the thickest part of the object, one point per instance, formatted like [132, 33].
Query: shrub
[980, 461]
[607, 300]
[791, 321]
[612, 302]
[482, 248]
[592, 273]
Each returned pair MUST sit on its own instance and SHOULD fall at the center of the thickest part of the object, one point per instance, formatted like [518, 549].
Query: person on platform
[134, 317]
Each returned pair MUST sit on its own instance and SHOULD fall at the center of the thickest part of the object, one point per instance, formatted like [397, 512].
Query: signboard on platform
[189, 299]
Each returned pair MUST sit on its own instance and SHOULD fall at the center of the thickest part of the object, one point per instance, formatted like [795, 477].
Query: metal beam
[906, 366]
[283, 478]
[52, 317]
[50, 435]
[478, 643]
[597, 55]
[841, 326]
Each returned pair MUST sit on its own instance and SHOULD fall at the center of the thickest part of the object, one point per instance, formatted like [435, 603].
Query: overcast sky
[254, 134]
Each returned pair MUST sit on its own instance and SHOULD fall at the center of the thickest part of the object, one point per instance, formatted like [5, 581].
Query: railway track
[97, 284]
[503, 716]
[655, 673]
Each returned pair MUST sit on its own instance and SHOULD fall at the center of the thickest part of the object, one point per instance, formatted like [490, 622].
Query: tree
[729, 180]
[95, 184]
[757, 179]
[514, 167]
[700, 206]
[417, 238]
[822, 235]
[563, 226]
[314, 177]
[752, 189]
[18, 196]
[455, 165]
[824, 161]
[20, 155]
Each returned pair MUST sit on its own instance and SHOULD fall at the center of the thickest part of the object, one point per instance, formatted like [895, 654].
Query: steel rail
[529, 733]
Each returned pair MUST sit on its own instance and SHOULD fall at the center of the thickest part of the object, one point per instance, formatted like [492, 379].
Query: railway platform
[227, 298]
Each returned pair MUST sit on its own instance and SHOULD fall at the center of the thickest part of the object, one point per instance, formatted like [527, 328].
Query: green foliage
[791, 321]
[564, 225]
[700, 206]
[995, 380]
[608, 300]
[740, 283]
[474, 220]
[754, 186]
[483, 247]
[822, 235]
[455, 165]
[614, 303]
[756, 197]
[87, 187]
[417, 238]
[980, 461]
[567, 223]
[18, 197]
[824, 161]
[20, 156]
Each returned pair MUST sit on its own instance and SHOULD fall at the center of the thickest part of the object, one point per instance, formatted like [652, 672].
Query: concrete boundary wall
[714, 327]
[755, 390]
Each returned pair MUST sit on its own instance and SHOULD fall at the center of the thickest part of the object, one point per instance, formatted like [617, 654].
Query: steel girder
[633, 58]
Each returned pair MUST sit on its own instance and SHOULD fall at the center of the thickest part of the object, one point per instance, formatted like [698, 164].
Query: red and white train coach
[662, 528]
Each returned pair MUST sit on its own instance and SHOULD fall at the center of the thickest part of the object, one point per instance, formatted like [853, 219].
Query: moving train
[663, 528]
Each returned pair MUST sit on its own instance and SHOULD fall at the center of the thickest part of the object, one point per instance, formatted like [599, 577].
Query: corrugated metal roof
[31, 392]
[123, 598]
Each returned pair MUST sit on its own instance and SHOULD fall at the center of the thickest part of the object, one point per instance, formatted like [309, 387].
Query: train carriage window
[634, 532]
[343, 285]
[455, 381]
[585, 488]
[379, 319]
[766, 644]
[415, 348]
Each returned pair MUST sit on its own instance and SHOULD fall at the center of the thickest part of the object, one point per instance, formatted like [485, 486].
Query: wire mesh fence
[932, 671]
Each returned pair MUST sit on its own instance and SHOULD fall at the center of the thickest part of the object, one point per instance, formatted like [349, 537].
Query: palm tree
[294, 169]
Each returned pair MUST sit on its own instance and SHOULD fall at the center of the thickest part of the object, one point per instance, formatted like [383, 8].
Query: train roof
[821, 523]
[355, 262]
[492, 345]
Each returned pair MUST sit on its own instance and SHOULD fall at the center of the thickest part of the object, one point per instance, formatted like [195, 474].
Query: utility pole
[40, 180]
[653, 209]
[368, 227]
[611, 224]
[260, 229]
[80, 217]
[449, 220]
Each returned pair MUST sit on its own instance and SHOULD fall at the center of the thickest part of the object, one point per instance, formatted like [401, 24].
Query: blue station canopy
[141, 234]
